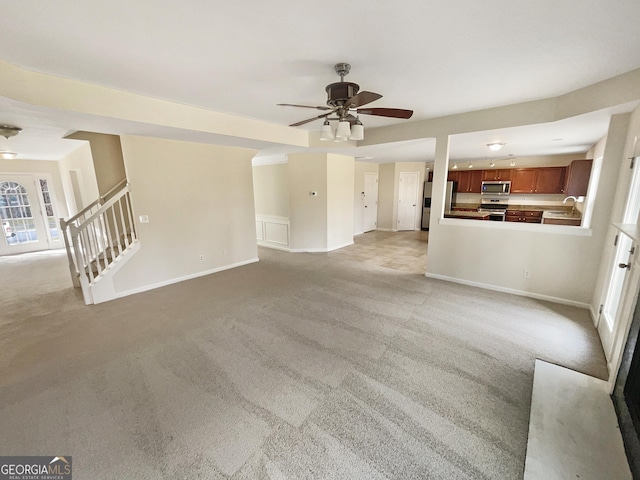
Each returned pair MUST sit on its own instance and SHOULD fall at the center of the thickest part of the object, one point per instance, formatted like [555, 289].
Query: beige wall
[80, 161]
[271, 189]
[107, 158]
[419, 167]
[358, 188]
[562, 266]
[34, 167]
[199, 199]
[340, 180]
[387, 191]
[307, 213]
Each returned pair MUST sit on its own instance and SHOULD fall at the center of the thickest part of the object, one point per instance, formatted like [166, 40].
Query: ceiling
[244, 57]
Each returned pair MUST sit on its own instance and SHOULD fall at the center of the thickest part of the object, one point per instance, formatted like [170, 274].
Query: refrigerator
[449, 199]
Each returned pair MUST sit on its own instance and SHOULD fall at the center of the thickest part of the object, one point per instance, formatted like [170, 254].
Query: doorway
[27, 210]
[370, 221]
[408, 200]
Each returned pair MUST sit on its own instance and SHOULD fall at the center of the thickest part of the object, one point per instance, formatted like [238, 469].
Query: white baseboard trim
[146, 288]
[274, 246]
[594, 316]
[512, 291]
[386, 230]
[320, 250]
[338, 247]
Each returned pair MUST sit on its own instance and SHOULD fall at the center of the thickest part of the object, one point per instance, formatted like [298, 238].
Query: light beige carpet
[301, 366]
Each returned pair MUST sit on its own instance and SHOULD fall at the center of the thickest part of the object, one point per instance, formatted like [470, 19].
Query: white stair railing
[98, 236]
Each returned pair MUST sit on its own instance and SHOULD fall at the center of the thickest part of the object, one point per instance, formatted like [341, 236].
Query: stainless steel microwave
[496, 187]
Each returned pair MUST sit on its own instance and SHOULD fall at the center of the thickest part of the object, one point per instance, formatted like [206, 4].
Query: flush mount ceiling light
[8, 155]
[7, 131]
[494, 147]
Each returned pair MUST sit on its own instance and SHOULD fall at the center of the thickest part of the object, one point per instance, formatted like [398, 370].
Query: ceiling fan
[344, 99]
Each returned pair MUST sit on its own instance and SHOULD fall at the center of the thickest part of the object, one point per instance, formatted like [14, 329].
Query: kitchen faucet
[564, 202]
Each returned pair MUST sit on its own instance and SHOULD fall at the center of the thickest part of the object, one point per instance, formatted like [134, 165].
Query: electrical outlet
[202, 258]
[526, 273]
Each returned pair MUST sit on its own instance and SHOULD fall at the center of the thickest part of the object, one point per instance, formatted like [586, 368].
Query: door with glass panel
[27, 211]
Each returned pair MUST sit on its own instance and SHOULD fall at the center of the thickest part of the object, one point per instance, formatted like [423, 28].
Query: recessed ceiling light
[494, 147]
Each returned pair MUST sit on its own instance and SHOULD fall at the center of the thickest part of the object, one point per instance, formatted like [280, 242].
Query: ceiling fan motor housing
[338, 93]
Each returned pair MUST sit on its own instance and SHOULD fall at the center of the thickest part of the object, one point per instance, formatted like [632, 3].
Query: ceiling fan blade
[361, 98]
[297, 124]
[302, 106]
[386, 112]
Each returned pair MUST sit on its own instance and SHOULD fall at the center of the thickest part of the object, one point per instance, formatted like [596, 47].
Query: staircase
[99, 240]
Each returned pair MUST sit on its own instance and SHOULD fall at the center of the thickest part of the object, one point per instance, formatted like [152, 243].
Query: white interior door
[618, 281]
[408, 200]
[370, 221]
[22, 207]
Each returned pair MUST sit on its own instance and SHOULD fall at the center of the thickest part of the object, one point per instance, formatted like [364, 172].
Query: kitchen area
[513, 194]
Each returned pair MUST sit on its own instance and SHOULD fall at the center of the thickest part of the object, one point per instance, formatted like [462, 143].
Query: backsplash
[515, 199]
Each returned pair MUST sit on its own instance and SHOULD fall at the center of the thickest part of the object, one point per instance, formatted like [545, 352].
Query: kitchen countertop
[473, 215]
[534, 208]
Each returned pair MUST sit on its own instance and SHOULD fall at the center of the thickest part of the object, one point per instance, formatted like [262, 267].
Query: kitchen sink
[559, 212]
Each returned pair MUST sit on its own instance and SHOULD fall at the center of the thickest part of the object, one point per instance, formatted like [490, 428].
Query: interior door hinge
[632, 163]
[615, 241]
[600, 309]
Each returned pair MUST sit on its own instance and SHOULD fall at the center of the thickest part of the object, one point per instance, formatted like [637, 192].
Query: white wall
[79, 160]
[340, 181]
[562, 266]
[199, 199]
[358, 188]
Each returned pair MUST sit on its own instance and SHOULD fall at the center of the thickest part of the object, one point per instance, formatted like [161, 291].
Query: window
[17, 218]
[52, 223]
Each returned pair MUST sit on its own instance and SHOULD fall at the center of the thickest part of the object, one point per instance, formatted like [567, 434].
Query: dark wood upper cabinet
[475, 181]
[538, 180]
[577, 179]
[466, 181]
[523, 180]
[550, 179]
[500, 174]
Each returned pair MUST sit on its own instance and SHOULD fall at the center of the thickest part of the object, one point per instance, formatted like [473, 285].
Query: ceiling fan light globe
[357, 132]
[343, 132]
[326, 134]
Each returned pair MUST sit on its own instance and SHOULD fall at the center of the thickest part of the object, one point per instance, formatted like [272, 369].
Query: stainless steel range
[495, 206]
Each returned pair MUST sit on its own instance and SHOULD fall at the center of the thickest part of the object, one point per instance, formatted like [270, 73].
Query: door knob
[625, 265]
